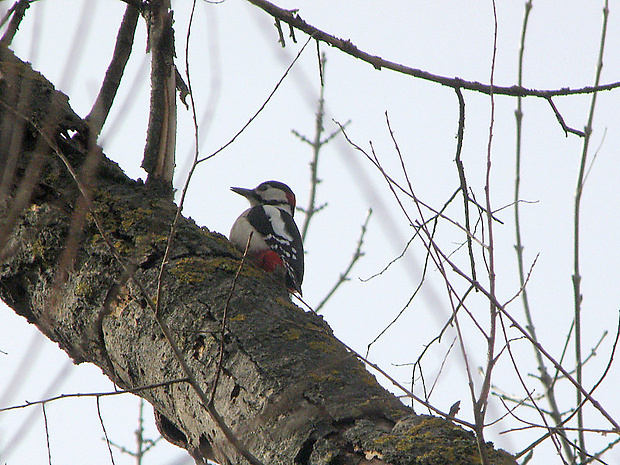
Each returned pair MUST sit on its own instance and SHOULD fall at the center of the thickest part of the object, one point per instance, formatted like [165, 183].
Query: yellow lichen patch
[434, 441]
[286, 303]
[323, 346]
[197, 269]
[292, 334]
[227, 264]
[240, 317]
[364, 375]
[37, 247]
[190, 269]
[82, 288]
[135, 216]
[148, 240]
[323, 376]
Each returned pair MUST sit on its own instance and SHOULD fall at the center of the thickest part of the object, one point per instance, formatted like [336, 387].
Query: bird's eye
[262, 187]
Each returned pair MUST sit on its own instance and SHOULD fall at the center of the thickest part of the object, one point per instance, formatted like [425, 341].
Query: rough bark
[288, 389]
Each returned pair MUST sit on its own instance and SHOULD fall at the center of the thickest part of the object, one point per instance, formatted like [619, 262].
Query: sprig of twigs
[344, 276]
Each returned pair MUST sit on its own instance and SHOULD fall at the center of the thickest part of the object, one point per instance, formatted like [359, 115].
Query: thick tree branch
[288, 390]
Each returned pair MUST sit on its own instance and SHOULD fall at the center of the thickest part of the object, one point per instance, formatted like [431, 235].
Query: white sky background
[235, 62]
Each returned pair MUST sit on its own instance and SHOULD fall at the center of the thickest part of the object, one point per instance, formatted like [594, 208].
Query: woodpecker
[276, 245]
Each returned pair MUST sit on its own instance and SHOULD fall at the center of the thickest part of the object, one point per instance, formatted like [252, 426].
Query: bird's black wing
[281, 234]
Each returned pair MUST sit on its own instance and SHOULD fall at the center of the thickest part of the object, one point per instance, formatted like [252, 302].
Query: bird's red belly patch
[268, 260]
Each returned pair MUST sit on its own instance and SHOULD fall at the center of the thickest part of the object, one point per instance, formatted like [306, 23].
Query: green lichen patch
[292, 334]
[427, 440]
[190, 269]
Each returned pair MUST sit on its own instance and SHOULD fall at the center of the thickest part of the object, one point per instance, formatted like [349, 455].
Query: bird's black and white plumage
[276, 245]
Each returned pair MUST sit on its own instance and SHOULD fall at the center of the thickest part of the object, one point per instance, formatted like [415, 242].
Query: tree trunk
[287, 389]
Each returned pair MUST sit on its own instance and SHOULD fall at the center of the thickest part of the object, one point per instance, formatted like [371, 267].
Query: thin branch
[356, 256]
[392, 261]
[95, 394]
[253, 117]
[402, 310]
[463, 180]
[481, 404]
[560, 119]
[112, 80]
[220, 362]
[563, 439]
[524, 285]
[17, 12]
[47, 435]
[393, 185]
[316, 145]
[576, 278]
[585, 178]
[413, 295]
[418, 362]
[596, 404]
[293, 18]
[278, 26]
[105, 433]
[443, 362]
[609, 446]
[140, 434]
[159, 150]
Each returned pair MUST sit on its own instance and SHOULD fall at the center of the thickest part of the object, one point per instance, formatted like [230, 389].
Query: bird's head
[273, 193]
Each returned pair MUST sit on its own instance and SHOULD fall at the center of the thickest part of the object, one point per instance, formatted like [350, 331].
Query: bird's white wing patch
[277, 224]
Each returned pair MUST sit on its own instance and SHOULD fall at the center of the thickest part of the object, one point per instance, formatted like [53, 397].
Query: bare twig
[220, 362]
[47, 435]
[278, 26]
[527, 335]
[316, 145]
[463, 180]
[105, 433]
[140, 434]
[577, 296]
[439, 371]
[480, 406]
[524, 284]
[552, 431]
[253, 117]
[560, 119]
[394, 186]
[142, 445]
[95, 394]
[345, 275]
[609, 446]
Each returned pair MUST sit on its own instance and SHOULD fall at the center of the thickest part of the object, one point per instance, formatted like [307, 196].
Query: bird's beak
[247, 193]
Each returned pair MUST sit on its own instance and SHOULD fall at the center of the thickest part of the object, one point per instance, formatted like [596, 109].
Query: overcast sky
[235, 63]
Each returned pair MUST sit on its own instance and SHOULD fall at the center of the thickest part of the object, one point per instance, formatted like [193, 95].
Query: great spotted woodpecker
[276, 245]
